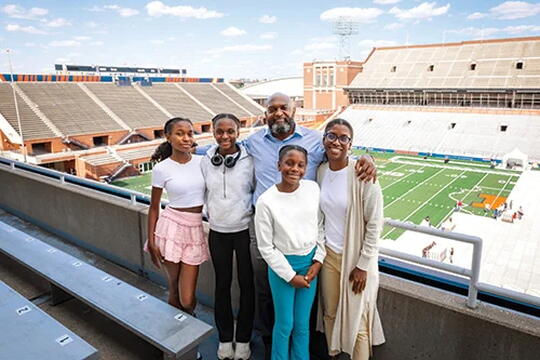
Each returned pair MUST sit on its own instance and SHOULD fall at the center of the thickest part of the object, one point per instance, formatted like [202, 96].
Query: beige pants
[330, 288]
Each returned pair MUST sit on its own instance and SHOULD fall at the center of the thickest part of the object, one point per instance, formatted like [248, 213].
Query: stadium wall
[420, 322]
[97, 78]
[419, 153]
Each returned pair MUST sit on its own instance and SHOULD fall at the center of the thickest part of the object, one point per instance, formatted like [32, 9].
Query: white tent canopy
[515, 158]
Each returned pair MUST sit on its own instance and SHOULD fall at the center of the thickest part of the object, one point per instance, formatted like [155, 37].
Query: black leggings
[222, 246]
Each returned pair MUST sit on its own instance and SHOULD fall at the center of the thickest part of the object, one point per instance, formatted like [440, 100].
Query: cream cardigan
[360, 249]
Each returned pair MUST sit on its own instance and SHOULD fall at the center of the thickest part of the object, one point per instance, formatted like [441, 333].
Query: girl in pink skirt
[175, 237]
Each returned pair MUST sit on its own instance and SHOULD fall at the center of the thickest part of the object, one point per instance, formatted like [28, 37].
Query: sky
[239, 39]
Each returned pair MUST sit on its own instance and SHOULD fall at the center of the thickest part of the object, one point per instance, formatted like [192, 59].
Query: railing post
[12, 164]
[475, 270]
[133, 198]
[62, 179]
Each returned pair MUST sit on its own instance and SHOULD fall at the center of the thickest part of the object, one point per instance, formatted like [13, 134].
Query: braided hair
[284, 150]
[220, 116]
[164, 150]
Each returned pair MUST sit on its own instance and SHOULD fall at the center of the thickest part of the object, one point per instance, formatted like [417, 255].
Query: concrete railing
[126, 249]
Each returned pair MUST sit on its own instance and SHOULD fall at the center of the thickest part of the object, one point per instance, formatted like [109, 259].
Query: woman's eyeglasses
[343, 139]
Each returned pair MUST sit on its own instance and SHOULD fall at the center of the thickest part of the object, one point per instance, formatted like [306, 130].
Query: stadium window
[41, 148]
[431, 67]
[393, 69]
[101, 140]
[452, 125]
[243, 123]
[158, 134]
[205, 128]
[472, 67]
[503, 128]
[519, 65]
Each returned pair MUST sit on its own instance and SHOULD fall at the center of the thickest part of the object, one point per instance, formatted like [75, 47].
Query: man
[264, 147]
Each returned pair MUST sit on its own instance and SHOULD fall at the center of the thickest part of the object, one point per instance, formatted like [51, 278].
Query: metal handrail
[473, 274]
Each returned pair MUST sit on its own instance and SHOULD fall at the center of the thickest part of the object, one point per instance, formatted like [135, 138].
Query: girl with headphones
[229, 176]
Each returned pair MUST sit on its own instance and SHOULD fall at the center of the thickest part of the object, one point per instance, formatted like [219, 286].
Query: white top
[184, 182]
[229, 192]
[289, 224]
[334, 203]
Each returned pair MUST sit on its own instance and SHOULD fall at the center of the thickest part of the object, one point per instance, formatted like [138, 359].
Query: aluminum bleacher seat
[209, 96]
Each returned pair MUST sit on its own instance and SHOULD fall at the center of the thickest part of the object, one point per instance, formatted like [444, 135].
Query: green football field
[414, 188]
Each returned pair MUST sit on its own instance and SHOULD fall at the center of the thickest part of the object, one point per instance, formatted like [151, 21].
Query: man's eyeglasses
[343, 139]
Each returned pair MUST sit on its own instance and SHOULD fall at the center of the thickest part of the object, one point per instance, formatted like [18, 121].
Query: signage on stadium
[116, 69]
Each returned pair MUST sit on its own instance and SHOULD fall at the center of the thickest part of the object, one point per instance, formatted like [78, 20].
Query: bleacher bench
[169, 329]
[28, 333]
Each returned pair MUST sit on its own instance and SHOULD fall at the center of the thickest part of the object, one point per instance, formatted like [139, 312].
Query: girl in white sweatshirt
[287, 226]
[228, 174]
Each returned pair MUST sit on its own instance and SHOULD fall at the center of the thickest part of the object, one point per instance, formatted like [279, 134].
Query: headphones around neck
[228, 160]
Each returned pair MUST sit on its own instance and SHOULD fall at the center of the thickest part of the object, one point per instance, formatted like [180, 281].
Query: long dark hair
[164, 150]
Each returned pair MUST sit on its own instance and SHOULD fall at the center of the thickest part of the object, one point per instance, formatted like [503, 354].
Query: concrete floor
[112, 340]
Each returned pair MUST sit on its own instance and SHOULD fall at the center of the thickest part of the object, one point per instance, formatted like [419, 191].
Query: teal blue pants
[292, 307]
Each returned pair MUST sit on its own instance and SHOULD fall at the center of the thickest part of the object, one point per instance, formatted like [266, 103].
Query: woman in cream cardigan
[353, 219]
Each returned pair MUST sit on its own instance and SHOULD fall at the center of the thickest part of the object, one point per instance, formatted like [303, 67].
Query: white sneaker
[225, 351]
[242, 352]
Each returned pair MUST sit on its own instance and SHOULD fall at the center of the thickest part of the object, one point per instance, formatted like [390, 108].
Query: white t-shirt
[334, 204]
[288, 224]
[184, 183]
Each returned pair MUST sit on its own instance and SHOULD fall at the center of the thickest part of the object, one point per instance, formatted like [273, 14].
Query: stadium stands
[33, 127]
[71, 110]
[128, 104]
[472, 134]
[214, 99]
[239, 99]
[177, 103]
[487, 73]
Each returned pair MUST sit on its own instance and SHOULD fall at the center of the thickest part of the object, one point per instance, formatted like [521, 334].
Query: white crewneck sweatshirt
[289, 224]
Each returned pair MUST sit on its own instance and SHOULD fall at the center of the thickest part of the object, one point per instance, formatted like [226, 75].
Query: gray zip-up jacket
[228, 192]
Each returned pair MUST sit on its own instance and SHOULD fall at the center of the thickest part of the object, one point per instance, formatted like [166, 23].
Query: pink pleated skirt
[180, 237]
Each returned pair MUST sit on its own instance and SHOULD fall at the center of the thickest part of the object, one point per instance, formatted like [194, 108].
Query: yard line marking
[411, 189]
[507, 181]
[399, 180]
[474, 186]
[399, 167]
[426, 202]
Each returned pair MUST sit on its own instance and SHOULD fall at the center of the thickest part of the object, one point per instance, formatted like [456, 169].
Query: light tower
[344, 28]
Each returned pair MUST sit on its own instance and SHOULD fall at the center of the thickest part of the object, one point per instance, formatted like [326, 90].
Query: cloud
[24, 29]
[240, 48]
[368, 44]
[64, 43]
[18, 12]
[510, 10]
[232, 31]
[386, 2]
[91, 24]
[425, 10]
[82, 38]
[268, 36]
[157, 8]
[58, 22]
[122, 11]
[487, 32]
[476, 15]
[96, 43]
[521, 29]
[158, 41]
[367, 15]
[267, 19]
[319, 46]
[393, 26]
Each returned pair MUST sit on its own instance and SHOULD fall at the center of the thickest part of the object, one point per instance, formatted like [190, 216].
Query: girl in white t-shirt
[175, 237]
